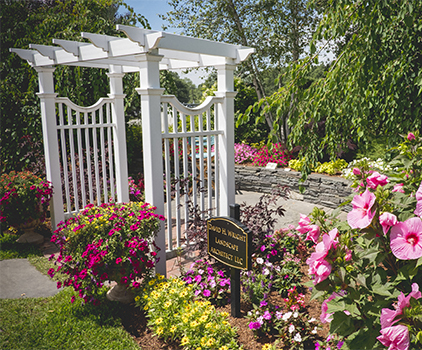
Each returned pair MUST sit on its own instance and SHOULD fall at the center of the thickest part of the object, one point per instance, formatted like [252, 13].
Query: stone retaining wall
[328, 191]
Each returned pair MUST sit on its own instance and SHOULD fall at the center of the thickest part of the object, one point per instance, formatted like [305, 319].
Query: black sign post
[229, 242]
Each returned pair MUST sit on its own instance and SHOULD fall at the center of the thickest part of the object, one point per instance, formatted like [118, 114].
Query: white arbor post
[119, 134]
[225, 122]
[150, 92]
[51, 147]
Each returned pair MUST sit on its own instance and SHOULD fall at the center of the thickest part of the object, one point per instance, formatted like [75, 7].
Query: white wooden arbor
[75, 136]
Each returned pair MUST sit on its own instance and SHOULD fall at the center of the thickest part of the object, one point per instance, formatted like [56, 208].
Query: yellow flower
[173, 329]
[167, 304]
[266, 347]
[159, 320]
[198, 348]
[208, 325]
[184, 293]
[145, 307]
[194, 324]
[204, 341]
[203, 318]
[210, 342]
[137, 298]
[160, 277]
[224, 347]
[185, 341]
[225, 314]
[159, 330]
[151, 282]
[185, 319]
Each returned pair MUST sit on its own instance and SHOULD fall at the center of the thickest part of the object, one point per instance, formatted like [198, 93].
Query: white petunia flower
[297, 337]
[260, 260]
[287, 315]
[291, 328]
[296, 314]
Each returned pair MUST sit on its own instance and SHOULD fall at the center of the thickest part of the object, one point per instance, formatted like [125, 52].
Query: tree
[278, 30]
[184, 89]
[36, 21]
[372, 88]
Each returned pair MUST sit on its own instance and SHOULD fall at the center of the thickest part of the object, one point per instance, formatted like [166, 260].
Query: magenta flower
[406, 239]
[411, 136]
[376, 179]
[356, 171]
[303, 223]
[398, 188]
[361, 215]
[206, 293]
[254, 325]
[118, 261]
[267, 315]
[418, 210]
[387, 220]
[396, 337]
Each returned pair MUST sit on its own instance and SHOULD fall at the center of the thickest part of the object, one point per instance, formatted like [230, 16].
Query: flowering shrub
[277, 154]
[244, 153]
[174, 314]
[110, 242]
[208, 284]
[332, 167]
[375, 165]
[24, 198]
[365, 265]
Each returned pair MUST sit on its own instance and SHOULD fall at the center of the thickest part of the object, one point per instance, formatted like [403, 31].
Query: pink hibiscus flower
[376, 179]
[387, 220]
[304, 223]
[398, 188]
[313, 234]
[406, 239]
[361, 215]
[411, 136]
[418, 210]
[396, 337]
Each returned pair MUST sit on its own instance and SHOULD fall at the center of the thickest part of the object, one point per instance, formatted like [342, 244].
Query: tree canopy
[372, 88]
[31, 21]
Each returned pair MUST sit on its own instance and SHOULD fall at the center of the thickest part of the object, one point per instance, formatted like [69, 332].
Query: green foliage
[54, 323]
[332, 167]
[39, 22]
[373, 87]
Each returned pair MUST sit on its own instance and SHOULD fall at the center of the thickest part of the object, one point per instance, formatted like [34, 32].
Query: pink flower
[387, 315]
[411, 136]
[303, 223]
[325, 317]
[398, 188]
[406, 239]
[418, 210]
[356, 171]
[361, 215]
[396, 337]
[313, 233]
[387, 220]
[348, 255]
[376, 179]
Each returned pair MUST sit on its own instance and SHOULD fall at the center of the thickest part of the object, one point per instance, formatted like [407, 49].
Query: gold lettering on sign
[241, 238]
[222, 254]
[226, 244]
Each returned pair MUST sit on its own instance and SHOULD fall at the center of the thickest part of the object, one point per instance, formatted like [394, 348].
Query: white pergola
[147, 52]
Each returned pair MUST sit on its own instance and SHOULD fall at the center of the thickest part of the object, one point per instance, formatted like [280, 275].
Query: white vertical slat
[111, 159]
[64, 158]
[88, 157]
[216, 164]
[208, 121]
[81, 159]
[95, 146]
[185, 167]
[103, 159]
[72, 159]
[201, 165]
[177, 176]
[168, 180]
[193, 159]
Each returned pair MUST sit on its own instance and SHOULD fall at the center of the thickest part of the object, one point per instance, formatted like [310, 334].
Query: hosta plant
[110, 242]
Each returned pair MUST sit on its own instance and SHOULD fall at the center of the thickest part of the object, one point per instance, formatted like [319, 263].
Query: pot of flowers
[24, 203]
[113, 242]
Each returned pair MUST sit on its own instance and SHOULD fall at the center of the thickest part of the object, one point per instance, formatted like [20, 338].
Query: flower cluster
[244, 153]
[24, 197]
[375, 165]
[393, 335]
[277, 154]
[362, 265]
[110, 242]
[208, 283]
[174, 314]
[136, 189]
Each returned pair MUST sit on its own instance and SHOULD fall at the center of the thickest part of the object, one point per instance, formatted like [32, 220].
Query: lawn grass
[56, 323]
[10, 249]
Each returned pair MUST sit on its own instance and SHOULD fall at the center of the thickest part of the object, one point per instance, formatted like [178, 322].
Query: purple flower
[206, 293]
[263, 303]
[198, 278]
[262, 248]
[267, 315]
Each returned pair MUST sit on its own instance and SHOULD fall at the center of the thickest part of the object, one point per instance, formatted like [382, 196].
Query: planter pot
[120, 293]
[29, 235]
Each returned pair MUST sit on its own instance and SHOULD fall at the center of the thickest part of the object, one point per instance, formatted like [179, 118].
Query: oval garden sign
[229, 242]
